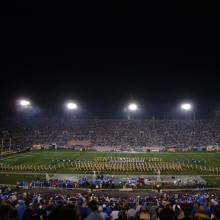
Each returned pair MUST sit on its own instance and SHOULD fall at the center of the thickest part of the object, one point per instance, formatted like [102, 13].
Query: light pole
[24, 108]
[188, 107]
[24, 104]
[131, 109]
[72, 107]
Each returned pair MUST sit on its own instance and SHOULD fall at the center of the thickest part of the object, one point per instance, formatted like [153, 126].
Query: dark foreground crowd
[25, 205]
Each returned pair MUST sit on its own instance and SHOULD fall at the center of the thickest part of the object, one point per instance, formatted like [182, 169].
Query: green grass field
[47, 158]
[13, 179]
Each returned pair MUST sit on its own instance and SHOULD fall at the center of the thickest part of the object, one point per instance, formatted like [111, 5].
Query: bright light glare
[71, 106]
[25, 103]
[186, 106]
[132, 107]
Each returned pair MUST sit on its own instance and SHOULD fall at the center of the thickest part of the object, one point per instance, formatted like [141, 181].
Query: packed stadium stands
[110, 133]
[26, 205]
[97, 199]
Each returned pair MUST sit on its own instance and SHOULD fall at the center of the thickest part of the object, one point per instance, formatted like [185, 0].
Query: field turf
[209, 159]
[46, 156]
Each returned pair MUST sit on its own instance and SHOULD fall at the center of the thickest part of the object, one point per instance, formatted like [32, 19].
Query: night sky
[105, 54]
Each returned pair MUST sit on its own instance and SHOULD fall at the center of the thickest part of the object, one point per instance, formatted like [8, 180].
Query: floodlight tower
[24, 103]
[24, 106]
[131, 109]
[187, 108]
[72, 108]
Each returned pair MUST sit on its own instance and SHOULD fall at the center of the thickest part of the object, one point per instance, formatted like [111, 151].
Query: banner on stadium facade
[37, 147]
[82, 143]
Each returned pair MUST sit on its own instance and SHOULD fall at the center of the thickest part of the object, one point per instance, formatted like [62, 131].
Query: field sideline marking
[31, 173]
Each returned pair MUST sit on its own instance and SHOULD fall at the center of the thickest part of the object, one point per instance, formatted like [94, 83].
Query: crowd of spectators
[25, 205]
[67, 184]
[103, 182]
[110, 133]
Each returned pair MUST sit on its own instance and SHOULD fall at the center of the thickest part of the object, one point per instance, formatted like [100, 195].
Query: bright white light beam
[186, 106]
[71, 106]
[132, 107]
[25, 103]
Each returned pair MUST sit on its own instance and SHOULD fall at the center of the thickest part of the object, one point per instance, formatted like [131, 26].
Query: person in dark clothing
[216, 212]
[167, 214]
[30, 213]
[94, 215]
[186, 209]
[67, 213]
[4, 212]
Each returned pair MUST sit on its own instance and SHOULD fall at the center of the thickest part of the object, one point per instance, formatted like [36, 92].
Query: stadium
[109, 110]
[101, 161]
[123, 148]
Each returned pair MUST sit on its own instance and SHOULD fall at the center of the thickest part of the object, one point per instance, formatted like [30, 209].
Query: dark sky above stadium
[106, 53]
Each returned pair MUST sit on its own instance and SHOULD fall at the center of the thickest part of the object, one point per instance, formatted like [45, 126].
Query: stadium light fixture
[24, 103]
[189, 108]
[132, 107]
[71, 106]
[186, 106]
